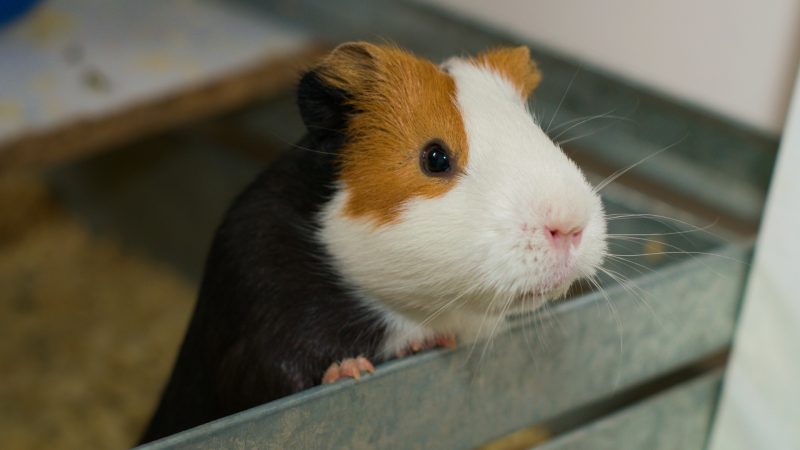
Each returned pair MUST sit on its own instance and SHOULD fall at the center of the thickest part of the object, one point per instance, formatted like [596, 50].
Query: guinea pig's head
[449, 196]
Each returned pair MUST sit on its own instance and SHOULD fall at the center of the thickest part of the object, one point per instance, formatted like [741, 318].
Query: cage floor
[89, 327]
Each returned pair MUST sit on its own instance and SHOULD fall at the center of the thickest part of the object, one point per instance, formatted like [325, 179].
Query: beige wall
[736, 57]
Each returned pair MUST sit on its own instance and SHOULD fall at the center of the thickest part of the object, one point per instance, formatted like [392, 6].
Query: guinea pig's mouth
[534, 298]
[528, 300]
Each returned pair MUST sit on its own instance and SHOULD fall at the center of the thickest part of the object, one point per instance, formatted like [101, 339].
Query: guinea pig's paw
[444, 341]
[347, 368]
[438, 341]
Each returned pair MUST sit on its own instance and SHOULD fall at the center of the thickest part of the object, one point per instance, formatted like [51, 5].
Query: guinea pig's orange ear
[325, 94]
[515, 64]
[350, 65]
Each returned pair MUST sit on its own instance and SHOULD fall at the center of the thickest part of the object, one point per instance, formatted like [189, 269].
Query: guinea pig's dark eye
[435, 159]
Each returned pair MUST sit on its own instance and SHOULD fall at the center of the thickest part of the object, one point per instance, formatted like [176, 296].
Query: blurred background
[127, 127]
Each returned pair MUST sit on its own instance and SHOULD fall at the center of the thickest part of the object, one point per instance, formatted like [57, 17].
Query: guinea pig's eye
[435, 159]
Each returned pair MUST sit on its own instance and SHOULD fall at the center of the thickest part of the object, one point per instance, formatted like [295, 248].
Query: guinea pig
[424, 205]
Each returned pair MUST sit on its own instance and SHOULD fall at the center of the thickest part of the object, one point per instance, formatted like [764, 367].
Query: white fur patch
[459, 263]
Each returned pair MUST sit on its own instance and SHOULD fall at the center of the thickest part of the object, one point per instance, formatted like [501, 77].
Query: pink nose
[562, 240]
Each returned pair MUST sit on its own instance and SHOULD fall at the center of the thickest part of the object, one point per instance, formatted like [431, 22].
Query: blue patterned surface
[12, 9]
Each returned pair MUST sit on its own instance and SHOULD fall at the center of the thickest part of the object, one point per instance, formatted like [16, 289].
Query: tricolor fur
[451, 255]
[345, 246]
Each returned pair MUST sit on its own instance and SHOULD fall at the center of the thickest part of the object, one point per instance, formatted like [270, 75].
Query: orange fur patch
[514, 64]
[402, 103]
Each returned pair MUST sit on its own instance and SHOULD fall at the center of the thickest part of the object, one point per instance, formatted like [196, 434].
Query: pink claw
[347, 368]
[438, 341]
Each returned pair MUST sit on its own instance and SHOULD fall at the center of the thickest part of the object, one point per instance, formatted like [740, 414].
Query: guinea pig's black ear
[327, 92]
[514, 63]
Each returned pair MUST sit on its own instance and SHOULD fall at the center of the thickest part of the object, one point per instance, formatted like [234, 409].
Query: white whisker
[620, 332]
[582, 122]
[635, 291]
[611, 178]
[563, 96]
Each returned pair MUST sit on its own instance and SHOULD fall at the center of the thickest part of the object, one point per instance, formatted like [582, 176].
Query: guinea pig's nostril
[562, 240]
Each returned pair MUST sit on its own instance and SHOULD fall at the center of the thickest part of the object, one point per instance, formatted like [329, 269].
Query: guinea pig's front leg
[360, 365]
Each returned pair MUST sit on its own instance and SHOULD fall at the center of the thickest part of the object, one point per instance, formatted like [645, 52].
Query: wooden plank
[678, 419]
[582, 351]
[88, 74]
[760, 406]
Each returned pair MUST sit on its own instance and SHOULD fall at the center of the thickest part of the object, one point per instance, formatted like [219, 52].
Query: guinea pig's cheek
[594, 247]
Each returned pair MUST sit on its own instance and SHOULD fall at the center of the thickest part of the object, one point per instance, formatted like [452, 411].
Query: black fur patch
[325, 110]
[271, 316]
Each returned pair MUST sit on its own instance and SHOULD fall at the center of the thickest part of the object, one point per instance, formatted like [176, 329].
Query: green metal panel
[579, 351]
[677, 419]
